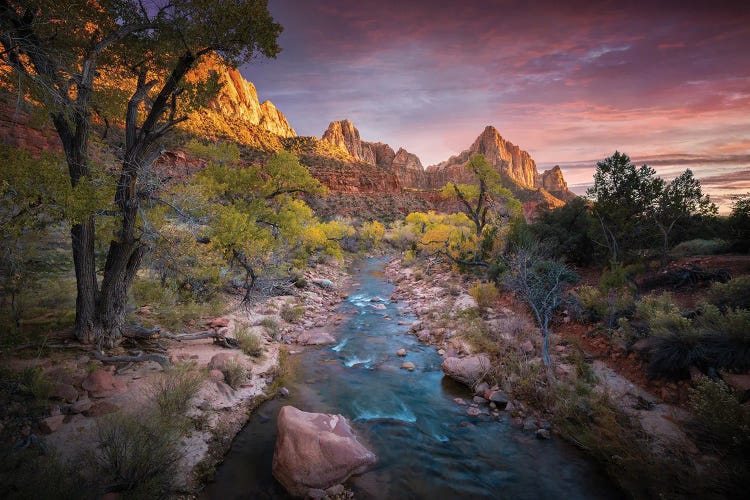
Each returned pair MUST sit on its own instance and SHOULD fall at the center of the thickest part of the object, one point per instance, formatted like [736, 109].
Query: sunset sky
[667, 82]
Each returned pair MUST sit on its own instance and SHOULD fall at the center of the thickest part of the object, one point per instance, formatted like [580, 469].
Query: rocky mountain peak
[345, 135]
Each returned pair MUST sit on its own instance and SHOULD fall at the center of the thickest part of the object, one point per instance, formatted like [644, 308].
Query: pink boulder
[102, 383]
[316, 451]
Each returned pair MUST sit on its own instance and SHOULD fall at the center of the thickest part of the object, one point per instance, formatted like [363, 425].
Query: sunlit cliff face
[567, 82]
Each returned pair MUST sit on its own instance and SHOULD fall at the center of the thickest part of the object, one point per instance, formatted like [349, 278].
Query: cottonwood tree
[66, 56]
[540, 282]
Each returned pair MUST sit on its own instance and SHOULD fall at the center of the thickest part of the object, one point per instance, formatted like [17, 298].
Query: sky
[667, 82]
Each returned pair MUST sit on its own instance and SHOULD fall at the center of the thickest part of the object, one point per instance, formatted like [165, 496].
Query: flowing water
[426, 445]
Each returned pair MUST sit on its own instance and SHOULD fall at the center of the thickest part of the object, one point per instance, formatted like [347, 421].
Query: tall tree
[622, 193]
[677, 200]
[68, 53]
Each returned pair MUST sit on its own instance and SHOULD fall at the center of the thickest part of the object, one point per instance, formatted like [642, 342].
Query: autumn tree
[256, 213]
[64, 53]
[487, 200]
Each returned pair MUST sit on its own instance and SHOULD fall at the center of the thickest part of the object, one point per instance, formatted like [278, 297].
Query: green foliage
[292, 313]
[250, 342]
[235, 373]
[35, 383]
[174, 389]
[634, 206]
[739, 222]
[442, 234]
[272, 327]
[569, 232]
[484, 293]
[700, 247]
[734, 293]
[137, 454]
[721, 422]
[32, 473]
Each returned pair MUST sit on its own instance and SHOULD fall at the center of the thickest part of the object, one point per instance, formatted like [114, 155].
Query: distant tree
[77, 59]
[568, 232]
[622, 193]
[739, 220]
[677, 200]
[540, 282]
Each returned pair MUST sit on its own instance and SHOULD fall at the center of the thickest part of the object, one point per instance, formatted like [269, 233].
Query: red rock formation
[408, 169]
[17, 129]
[345, 135]
[553, 181]
[508, 158]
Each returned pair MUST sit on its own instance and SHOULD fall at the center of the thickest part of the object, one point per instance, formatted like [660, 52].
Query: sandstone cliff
[506, 157]
[553, 181]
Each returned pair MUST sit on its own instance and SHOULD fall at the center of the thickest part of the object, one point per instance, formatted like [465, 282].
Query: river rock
[464, 302]
[101, 408]
[497, 397]
[66, 392]
[473, 412]
[401, 352]
[315, 338]
[543, 434]
[408, 365]
[460, 401]
[316, 451]
[80, 406]
[468, 370]
[480, 400]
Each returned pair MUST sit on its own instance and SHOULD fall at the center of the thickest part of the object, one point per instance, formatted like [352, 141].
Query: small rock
[315, 338]
[493, 405]
[473, 412]
[480, 400]
[66, 392]
[80, 406]
[284, 392]
[460, 401]
[101, 383]
[222, 360]
[441, 352]
[401, 352]
[55, 410]
[481, 388]
[316, 494]
[497, 397]
[376, 299]
[216, 375]
[335, 490]
[324, 283]
[408, 365]
[527, 347]
[51, 424]
[218, 323]
[543, 434]
[101, 408]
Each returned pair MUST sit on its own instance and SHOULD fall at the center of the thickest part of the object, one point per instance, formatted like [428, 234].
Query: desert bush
[674, 354]
[719, 420]
[137, 456]
[34, 473]
[292, 313]
[700, 247]
[272, 327]
[608, 306]
[733, 293]
[36, 384]
[174, 389]
[250, 342]
[517, 326]
[484, 293]
[726, 337]
[234, 373]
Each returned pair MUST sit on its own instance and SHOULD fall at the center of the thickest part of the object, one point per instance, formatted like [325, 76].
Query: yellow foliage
[372, 233]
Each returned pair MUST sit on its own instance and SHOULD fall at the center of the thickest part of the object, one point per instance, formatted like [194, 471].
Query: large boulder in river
[468, 370]
[316, 451]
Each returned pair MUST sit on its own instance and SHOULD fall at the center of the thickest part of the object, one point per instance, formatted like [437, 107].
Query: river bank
[427, 445]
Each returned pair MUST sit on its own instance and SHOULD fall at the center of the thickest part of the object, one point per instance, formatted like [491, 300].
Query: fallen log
[140, 357]
[219, 338]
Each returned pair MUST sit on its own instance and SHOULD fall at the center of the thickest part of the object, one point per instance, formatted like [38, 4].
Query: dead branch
[140, 357]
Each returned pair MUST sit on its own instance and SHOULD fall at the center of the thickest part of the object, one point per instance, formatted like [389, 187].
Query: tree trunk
[545, 346]
[82, 239]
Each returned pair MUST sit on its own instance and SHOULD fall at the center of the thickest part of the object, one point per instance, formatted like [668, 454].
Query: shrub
[175, 388]
[484, 293]
[272, 327]
[608, 306]
[674, 354]
[726, 337]
[733, 293]
[235, 374]
[35, 383]
[292, 313]
[700, 247]
[137, 455]
[250, 342]
[300, 283]
[719, 420]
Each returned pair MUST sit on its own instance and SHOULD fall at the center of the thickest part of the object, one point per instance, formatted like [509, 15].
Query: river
[426, 444]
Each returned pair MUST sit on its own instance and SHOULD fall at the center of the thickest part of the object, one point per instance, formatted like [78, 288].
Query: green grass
[250, 342]
[292, 313]
[174, 389]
